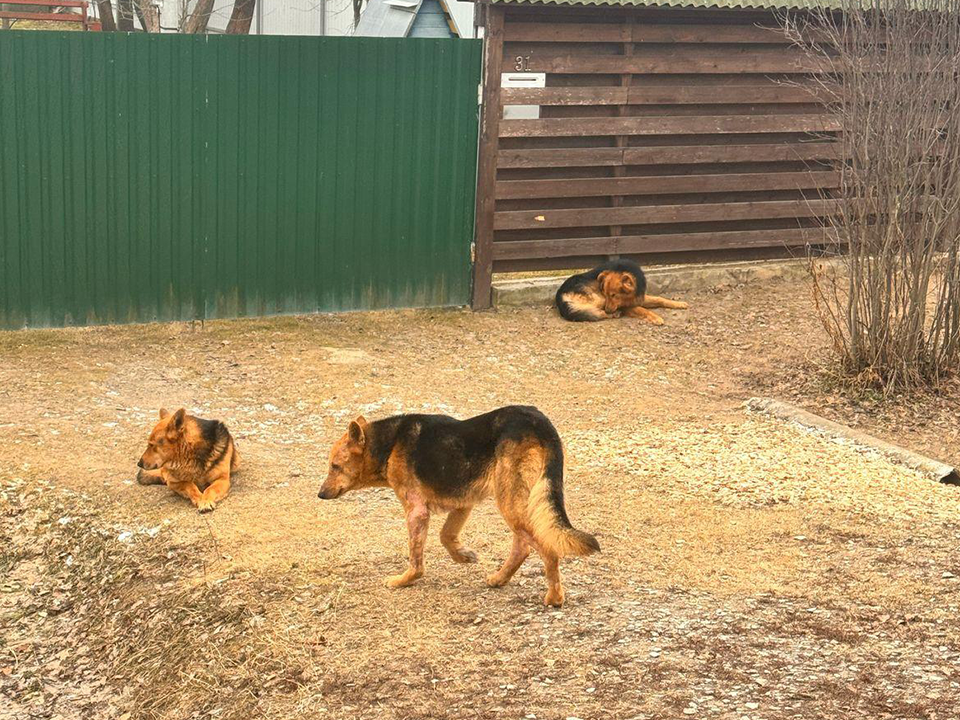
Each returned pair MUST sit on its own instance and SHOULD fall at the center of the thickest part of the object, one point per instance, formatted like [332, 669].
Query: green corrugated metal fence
[168, 177]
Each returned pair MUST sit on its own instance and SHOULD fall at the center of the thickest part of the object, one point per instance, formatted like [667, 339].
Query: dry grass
[749, 569]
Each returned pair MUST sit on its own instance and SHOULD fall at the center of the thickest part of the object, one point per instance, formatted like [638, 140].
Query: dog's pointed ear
[602, 280]
[164, 413]
[629, 281]
[177, 422]
[358, 431]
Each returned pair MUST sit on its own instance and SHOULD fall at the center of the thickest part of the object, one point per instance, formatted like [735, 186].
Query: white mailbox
[522, 80]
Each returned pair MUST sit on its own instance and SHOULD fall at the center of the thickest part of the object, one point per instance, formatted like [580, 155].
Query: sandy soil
[750, 570]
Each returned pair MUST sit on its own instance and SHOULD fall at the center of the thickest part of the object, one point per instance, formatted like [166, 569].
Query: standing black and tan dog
[188, 454]
[616, 288]
[435, 463]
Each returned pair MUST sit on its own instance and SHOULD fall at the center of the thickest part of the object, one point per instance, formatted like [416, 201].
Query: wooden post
[487, 161]
[622, 141]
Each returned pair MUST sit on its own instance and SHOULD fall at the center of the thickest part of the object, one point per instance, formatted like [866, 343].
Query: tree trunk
[107, 23]
[125, 15]
[197, 23]
[149, 15]
[241, 17]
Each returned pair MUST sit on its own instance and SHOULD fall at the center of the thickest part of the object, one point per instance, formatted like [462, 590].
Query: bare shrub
[890, 74]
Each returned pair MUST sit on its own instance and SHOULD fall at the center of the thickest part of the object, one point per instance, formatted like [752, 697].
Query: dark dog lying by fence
[435, 463]
[617, 288]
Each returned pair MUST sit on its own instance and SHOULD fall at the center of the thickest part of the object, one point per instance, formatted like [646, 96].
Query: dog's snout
[140, 463]
[328, 493]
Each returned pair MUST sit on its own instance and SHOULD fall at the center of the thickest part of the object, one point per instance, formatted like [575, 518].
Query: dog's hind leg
[551, 566]
[652, 301]
[582, 307]
[450, 536]
[518, 553]
[215, 492]
[418, 518]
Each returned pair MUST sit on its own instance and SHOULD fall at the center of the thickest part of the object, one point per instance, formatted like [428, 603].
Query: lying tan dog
[188, 454]
[617, 288]
[435, 463]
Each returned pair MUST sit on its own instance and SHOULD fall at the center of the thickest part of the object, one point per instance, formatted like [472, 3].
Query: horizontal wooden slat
[682, 154]
[676, 60]
[769, 92]
[564, 96]
[643, 32]
[660, 95]
[563, 157]
[668, 155]
[639, 244]
[668, 125]
[58, 17]
[646, 32]
[45, 3]
[665, 184]
[662, 214]
[566, 32]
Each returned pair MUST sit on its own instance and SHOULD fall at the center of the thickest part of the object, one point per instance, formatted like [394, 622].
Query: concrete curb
[941, 472]
[660, 280]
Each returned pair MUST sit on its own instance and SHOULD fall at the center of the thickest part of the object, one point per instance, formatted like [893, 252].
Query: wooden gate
[671, 134]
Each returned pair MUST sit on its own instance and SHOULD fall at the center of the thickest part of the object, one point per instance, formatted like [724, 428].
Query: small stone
[947, 575]
[751, 705]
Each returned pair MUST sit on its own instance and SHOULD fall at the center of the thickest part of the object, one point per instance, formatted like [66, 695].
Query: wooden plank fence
[662, 133]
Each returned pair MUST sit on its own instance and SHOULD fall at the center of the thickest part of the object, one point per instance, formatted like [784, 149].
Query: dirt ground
[750, 569]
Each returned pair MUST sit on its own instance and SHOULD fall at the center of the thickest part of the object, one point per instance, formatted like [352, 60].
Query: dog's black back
[216, 442]
[448, 455]
[587, 281]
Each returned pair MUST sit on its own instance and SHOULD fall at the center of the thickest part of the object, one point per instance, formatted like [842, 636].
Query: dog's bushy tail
[547, 516]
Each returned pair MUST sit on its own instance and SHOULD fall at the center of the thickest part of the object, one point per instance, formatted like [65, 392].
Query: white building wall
[272, 17]
[291, 17]
[339, 17]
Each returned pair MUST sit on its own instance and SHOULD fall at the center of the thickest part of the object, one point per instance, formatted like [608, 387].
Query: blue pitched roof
[406, 18]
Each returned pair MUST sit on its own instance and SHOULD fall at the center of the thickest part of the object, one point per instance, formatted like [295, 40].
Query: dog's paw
[655, 321]
[682, 306]
[464, 556]
[496, 580]
[401, 580]
[554, 597]
[205, 506]
[145, 478]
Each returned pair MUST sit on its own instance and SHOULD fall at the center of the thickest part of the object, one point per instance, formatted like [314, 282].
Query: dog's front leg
[188, 489]
[642, 313]
[418, 518]
[150, 477]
